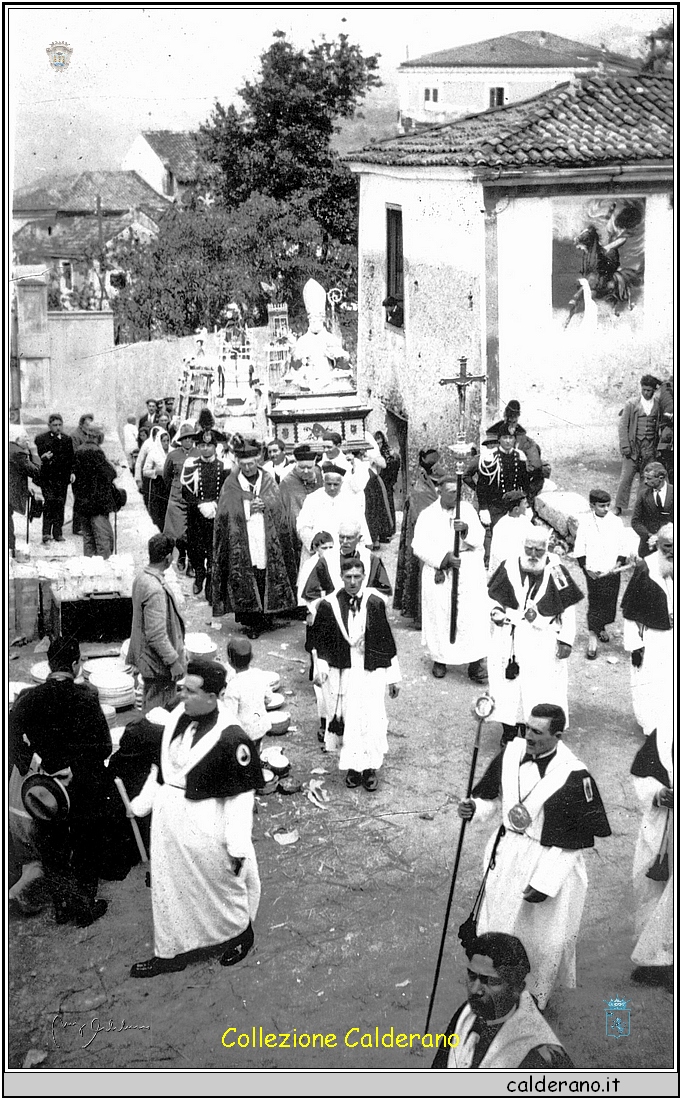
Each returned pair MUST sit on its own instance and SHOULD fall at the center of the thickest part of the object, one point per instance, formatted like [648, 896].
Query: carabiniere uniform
[201, 484]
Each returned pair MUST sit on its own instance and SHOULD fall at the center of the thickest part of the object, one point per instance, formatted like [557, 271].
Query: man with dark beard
[499, 1026]
[648, 635]
[533, 613]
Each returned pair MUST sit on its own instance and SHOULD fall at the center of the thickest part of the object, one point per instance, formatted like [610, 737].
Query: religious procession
[288, 534]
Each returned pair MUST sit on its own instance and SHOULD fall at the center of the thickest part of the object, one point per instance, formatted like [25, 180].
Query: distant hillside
[379, 115]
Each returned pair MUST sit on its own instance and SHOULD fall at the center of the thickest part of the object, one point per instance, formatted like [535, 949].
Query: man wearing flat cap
[600, 549]
[298, 482]
[202, 478]
[637, 432]
[254, 573]
[205, 885]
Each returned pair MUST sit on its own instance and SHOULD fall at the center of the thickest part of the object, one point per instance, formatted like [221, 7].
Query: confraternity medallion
[519, 818]
[531, 615]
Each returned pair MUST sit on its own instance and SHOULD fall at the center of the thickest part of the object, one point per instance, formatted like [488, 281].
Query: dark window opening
[67, 275]
[394, 301]
[497, 97]
[427, 95]
[434, 95]
[168, 183]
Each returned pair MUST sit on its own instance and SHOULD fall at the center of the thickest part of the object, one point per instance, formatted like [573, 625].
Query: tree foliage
[660, 50]
[273, 203]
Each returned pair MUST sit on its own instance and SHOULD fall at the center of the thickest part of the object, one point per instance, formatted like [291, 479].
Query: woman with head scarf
[23, 466]
[93, 495]
[153, 469]
[407, 597]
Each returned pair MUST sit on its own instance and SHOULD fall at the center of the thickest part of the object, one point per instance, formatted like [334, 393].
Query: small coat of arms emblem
[617, 1018]
[59, 54]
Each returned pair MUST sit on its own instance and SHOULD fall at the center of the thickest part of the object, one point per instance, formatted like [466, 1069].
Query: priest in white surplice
[433, 544]
[653, 868]
[533, 614]
[205, 885]
[551, 810]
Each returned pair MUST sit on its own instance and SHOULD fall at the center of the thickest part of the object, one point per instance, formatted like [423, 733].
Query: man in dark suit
[149, 419]
[56, 466]
[654, 507]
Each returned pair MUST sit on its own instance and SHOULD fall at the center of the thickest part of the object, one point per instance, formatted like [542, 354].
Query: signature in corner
[91, 1029]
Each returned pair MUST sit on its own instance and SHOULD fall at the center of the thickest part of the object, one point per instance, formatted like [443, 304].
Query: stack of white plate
[103, 664]
[115, 688]
[199, 645]
[276, 701]
[40, 672]
[274, 681]
[124, 650]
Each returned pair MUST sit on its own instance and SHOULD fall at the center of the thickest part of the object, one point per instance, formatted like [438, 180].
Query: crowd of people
[266, 535]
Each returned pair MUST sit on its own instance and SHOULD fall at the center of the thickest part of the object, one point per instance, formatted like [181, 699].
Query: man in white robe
[356, 660]
[648, 635]
[499, 1026]
[551, 810]
[205, 885]
[433, 544]
[533, 613]
[653, 867]
[324, 510]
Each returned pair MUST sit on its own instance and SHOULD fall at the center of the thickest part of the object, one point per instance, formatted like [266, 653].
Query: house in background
[71, 224]
[166, 159]
[537, 241]
[446, 85]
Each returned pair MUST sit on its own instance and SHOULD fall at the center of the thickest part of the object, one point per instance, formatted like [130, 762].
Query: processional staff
[483, 708]
[460, 449]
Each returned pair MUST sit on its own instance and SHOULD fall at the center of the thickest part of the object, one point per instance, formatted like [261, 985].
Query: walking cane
[115, 531]
[131, 817]
[28, 519]
[483, 708]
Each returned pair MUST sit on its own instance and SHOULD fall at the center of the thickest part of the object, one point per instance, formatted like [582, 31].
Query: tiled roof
[71, 238]
[524, 50]
[119, 191]
[585, 123]
[177, 150]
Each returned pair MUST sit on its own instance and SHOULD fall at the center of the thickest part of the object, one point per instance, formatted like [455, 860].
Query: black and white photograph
[340, 493]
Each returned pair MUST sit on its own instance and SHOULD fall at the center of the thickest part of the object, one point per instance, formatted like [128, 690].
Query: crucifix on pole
[460, 450]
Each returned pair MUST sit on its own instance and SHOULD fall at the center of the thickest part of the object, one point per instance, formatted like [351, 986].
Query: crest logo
[59, 54]
[617, 1018]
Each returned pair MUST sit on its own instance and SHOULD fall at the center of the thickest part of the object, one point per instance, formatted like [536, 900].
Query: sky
[162, 67]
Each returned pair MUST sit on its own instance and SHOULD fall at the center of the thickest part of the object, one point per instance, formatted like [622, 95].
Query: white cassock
[509, 536]
[654, 680]
[543, 678]
[654, 916]
[320, 512]
[197, 900]
[433, 539]
[548, 930]
[357, 695]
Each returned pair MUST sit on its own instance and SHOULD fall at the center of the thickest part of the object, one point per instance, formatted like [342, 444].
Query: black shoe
[438, 670]
[321, 735]
[190, 571]
[197, 587]
[353, 779]
[654, 975]
[89, 916]
[150, 968]
[181, 565]
[370, 780]
[47, 538]
[208, 592]
[238, 948]
[59, 538]
[252, 632]
[478, 672]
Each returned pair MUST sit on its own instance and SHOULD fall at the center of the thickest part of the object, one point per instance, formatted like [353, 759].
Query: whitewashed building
[442, 86]
[536, 240]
